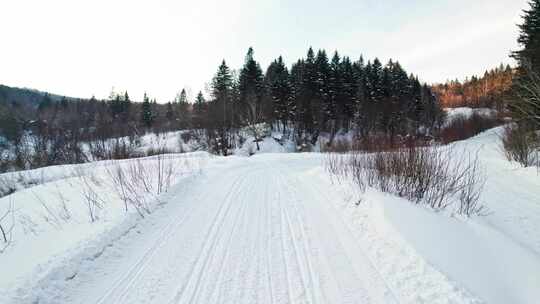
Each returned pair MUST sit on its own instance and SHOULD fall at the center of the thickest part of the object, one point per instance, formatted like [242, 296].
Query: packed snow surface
[275, 228]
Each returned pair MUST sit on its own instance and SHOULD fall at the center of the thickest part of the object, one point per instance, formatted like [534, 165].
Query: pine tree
[199, 111]
[250, 85]
[322, 91]
[169, 114]
[350, 89]
[221, 91]
[181, 105]
[335, 89]
[64, 102]
[124, 106]
[277, 79]
[308, 92]
[525, 106]
[147, 116]
[529, 37]
[376, 81]
[296, 79]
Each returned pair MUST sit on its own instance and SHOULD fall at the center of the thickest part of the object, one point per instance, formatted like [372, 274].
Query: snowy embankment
[63, 211]
[495, 257]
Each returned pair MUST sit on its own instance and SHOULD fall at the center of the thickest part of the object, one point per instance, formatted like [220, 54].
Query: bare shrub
[427, 176]
[525, 106]
[64, 213]
[125, 185]
[114, 148]
[93, 201]
[7, 186]
[49, 216]
[7, 223]
[337, 165]
[186, 136]
[521, 144]
[339, 145]
[139, 182]
[471, 186]
[462, 127]
[158, 151]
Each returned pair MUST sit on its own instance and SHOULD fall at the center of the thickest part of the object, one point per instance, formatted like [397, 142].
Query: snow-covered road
[253, 233]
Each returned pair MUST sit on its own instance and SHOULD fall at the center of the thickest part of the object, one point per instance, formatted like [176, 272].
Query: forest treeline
[317, 93]
[489, 91]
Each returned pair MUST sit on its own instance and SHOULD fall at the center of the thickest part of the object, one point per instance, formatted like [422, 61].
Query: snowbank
[51, 215]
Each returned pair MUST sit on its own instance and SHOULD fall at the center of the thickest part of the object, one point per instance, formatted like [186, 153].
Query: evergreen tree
[376, 80]
[64, 102]
[307, 90]
[335, 89]
[297, 75]
[350, 89]
[169, 114]
[250, 86]
[322, 91]
[277, 79]
[529, 37]
[221, 90]
[124, 106]
[182, 98]
[525, 106]
[199, 111]
[45, 103]
[147, 117]
[182, 109]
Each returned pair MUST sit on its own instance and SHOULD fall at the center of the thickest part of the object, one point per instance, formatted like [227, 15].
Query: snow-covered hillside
[465, 113]
[271, 228]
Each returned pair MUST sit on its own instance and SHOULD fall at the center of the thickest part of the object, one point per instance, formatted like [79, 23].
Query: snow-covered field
[271, 228]
[466, 113]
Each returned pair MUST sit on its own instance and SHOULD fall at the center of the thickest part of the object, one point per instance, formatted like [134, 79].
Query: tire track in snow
[249, 278]
[126, 281]
[240, 215]
[291, 182]
[268, 240]
[314, 279]
[210, 241]
[305, 276]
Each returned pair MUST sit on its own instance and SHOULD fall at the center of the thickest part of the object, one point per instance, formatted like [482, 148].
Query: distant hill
[25, 96]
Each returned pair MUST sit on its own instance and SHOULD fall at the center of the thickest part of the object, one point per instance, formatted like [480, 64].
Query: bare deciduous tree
[526, 105]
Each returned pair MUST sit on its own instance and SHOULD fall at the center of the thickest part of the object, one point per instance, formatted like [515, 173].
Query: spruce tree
[350, 88]
[169, 114]
[182, 109]
[529, 37]
[199, 113]
[335, 88]
[221, 91]
[322, 91]
[308, 92]
[250, 85]
[525, 106]
[124, 106]
[147, 117]
[280, 90]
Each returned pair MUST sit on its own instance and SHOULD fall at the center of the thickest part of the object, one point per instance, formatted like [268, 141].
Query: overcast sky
[84, 48]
